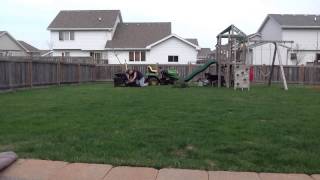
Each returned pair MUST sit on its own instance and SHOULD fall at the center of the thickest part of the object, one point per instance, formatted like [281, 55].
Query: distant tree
[50, 45]
[299, 55]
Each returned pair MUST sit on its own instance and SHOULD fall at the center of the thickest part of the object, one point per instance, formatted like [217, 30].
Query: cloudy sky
[203, 19]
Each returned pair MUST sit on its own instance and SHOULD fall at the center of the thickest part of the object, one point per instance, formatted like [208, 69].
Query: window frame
[137, 56]
[66, 35]
[71, 34]
[60, 35]
[131, 56]
[293, 56]
[318, 57]
[173, 58]
[66, 54]
[96, 55]
[142, 54]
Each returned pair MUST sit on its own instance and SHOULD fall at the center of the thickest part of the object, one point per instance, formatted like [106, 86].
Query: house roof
[45, 52]
[204, 52]
[29, 47]
[193, 41]
[292, 20]
[85, 19]
[138, 35]
[13, 39]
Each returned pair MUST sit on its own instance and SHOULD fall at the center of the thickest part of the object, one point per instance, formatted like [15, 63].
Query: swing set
[276, 53]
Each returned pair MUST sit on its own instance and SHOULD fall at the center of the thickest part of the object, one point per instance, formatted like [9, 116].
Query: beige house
[9, 46]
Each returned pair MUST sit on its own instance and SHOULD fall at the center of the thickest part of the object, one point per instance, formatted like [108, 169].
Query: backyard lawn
[266, 129]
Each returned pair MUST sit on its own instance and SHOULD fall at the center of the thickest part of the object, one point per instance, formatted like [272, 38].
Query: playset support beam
[273, 61]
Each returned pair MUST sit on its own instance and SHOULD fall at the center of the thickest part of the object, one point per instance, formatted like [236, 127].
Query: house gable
[8, 43]
[159, 52]
[173, 46]
[270, 29]
[175, 37]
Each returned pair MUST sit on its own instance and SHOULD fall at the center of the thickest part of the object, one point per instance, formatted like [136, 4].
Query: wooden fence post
[79, 73]
[189, 67]
[105, 72]
[312, 77]
[265, 77]
[10, 74]
[30, 64]
[301, 74]
[94, 73]
[58, 72]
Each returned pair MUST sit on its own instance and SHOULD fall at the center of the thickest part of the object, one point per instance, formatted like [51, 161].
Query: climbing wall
[241, 77]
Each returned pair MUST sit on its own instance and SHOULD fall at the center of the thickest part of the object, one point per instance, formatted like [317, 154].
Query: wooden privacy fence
[309, 75]
[26, 72]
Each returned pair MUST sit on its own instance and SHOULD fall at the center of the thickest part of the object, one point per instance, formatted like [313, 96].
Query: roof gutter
[300, 27]
[80, 29]
[126, 49]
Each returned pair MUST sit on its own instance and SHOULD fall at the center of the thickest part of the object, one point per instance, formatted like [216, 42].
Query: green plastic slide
[199, 70]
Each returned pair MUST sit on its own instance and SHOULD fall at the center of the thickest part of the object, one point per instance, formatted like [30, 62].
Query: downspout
[317, 41]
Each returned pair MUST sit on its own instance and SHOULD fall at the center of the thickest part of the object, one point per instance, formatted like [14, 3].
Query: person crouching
[135, 76]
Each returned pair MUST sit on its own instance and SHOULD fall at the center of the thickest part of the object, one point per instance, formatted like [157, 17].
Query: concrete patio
[29, 169]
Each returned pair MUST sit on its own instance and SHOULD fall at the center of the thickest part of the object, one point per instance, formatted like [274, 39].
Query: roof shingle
[193, 41]
[28, 47]
[85, 19]
[296, 20]
[138, 35]
[204, 52]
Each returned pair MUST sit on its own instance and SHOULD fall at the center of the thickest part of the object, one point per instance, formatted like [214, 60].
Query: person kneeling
[135, 76]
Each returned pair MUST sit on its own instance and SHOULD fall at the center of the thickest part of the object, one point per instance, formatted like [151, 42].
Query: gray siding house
[9, 46]
[304, 30]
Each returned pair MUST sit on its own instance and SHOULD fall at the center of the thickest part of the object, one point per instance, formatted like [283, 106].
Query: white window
[318, 57]
[96, 55]
[66, 35]
[137, 56]
[65, 54]
[293, 56]
[173, 58]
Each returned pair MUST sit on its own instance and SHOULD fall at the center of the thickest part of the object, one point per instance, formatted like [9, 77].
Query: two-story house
[102, 34]
[83, 33]
[304, 30]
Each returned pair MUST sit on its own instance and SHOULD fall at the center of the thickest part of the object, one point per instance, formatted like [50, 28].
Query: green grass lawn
[266, 129]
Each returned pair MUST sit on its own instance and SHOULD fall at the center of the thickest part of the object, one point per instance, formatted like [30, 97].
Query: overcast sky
[203, 19]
